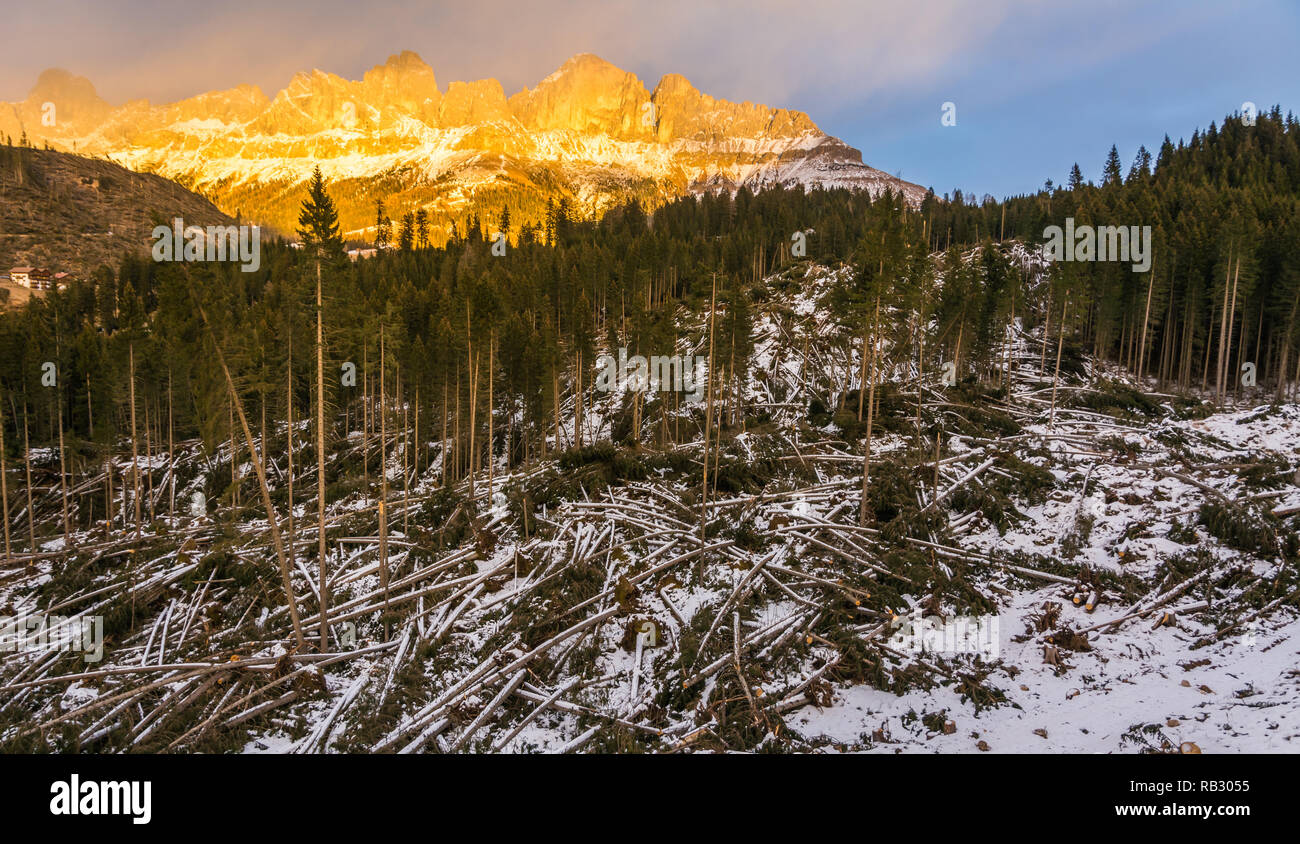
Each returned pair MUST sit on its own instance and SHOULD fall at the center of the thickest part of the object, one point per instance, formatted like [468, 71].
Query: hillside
[72, 213]
[576, 603]
[589, 134]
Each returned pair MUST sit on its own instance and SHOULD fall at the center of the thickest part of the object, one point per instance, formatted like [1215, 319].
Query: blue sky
[1037, 85]
[1044, 91]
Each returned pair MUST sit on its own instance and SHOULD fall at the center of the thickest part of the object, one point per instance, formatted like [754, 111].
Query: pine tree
[1141, 169]
[1111, 174]
[318, 221]
[406, 234]
[421, 229]
[1076, 177]
[383, 225]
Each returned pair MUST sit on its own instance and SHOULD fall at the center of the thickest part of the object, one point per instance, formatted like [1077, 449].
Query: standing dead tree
[260, 468]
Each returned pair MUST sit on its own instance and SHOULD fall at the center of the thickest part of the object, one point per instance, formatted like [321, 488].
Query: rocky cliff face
[590, 132]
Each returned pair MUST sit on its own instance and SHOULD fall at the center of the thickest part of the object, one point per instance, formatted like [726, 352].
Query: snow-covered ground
[1142, 591]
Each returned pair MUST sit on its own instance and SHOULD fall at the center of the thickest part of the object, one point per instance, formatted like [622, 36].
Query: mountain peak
[407, 60]
[404, 84]
[589, 131]
[584, 61]
[55, 83]
[405, 67]
[587, 93]
[674, 84]
[75, 102]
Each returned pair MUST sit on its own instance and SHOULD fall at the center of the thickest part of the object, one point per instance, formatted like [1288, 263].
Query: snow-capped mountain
[590, 132]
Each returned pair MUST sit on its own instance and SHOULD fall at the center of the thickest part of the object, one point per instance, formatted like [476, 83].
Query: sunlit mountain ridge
[590, 133]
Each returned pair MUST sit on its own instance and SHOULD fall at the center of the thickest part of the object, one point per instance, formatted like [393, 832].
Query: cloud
[794, 54]
[1037, 84]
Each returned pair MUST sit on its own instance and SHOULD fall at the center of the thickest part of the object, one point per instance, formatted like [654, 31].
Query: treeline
[1224, 209]
[498, 351]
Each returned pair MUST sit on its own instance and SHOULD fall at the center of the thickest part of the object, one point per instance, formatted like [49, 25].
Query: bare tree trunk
[320, 464]
[288, 449]
[1221, 366]
[1060, 344]
[920, 368]
[577, 396]
[108, 493]
[444, 430]
[555, 392]
[27, 460]
[383, 476]
[148, 460]
[4, 487]
[455, 475]
[171, 452]
[1209, 337]
[1286, 346]
[1241, 357]
[234, 457]
[272, 522]
[871, 407]
[1146, 318]
[366, 420]
[862, 374]
[1010, 335]
[1232, 320]
[1259, 336]
[406, 454]
[63, 483]
[492, 348]
[956, 355]
[1047, 325]
[135, 450]
[708, 422]
[406, 442]
[471, 371]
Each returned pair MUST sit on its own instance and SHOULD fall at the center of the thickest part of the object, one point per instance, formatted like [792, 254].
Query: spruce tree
[1076, 177]
[1141, 166]
[1111, 174]
[318, 221]
[421, 229]
[383, 225]
[406, 234]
